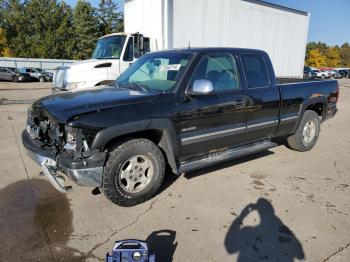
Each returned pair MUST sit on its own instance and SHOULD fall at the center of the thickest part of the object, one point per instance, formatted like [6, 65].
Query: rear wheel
[15, 79]
[133, 172]
[41, 79]
[307, 133]
[323, 76]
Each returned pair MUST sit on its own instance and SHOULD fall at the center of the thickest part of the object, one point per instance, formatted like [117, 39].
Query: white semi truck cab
[112, 55]
[167, 24]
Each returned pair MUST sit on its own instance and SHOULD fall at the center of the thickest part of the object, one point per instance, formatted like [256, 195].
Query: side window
[220, 69]
[137, 51]
[146, 45]
[129, 50]
[255, 71]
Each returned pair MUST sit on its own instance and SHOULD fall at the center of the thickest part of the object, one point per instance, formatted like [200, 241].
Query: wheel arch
[317, 104]
[160, 131]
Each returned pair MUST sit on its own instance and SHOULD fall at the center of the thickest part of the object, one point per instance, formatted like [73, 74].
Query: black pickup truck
[187, 108]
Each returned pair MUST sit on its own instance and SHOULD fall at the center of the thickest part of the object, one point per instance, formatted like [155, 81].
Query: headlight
[72, 86]
[71, 138]
[136, 255]
[75, 139]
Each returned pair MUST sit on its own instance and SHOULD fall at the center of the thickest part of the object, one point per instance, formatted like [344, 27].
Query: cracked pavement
[278, 204]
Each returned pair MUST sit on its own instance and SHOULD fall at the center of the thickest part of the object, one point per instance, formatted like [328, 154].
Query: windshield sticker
[174, 67]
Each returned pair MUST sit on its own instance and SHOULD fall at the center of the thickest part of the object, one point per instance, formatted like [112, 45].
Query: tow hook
[49, 168]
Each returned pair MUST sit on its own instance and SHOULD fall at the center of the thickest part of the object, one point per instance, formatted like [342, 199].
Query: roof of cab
[212, 49]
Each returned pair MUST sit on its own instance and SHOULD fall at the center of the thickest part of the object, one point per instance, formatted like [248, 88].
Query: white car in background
[322, 73]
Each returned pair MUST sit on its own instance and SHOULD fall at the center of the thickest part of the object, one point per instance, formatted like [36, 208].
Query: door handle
[239, 102]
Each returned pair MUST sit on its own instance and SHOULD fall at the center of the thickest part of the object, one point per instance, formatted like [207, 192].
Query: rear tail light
[337, 92]
[334, 97]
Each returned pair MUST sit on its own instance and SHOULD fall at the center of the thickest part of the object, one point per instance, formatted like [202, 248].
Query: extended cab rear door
[263, 98]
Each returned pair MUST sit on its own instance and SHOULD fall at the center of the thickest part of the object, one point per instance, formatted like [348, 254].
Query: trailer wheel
[307, 133]
[133, 172]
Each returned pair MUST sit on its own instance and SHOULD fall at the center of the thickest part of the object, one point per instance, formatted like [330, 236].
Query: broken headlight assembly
[71, 138]
[76, 140]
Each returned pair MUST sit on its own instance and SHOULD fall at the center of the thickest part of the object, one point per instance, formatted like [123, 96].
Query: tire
[323, 76]
[15, 79]
[41, 79]
[300, 141]
[121, 172]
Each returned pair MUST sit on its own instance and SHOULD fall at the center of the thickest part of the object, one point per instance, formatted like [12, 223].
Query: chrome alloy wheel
[136, 173]
[309, 132]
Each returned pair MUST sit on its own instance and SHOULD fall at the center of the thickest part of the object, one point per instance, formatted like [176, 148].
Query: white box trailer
[152, 25]
[280, 31]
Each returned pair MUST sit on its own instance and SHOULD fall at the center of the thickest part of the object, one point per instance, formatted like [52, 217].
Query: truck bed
[295, 80]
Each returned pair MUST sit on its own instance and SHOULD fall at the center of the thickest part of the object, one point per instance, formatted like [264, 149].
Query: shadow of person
[162, 244]
[270, 240]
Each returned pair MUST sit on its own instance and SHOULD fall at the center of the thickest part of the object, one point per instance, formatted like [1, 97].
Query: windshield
[157, 72]
[109, 47]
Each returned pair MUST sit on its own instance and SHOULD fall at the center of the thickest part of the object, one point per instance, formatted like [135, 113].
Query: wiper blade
[131, 85]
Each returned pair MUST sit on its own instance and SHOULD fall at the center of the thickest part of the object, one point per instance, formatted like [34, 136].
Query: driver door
[133, 51]
[127, 57]
[213, 122]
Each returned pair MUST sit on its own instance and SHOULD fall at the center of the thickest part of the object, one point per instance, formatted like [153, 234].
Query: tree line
[53, 29]
[321, 55]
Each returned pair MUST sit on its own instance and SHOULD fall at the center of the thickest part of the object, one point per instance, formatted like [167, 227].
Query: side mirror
[141, 43]
[201, 87]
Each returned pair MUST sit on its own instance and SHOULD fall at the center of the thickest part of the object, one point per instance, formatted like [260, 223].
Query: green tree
[38, 28]
[86, 30]
[109, 17]
[13, 23]
[50, 28]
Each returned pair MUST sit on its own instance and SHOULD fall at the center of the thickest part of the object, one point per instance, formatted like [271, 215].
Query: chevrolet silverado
[186, 108]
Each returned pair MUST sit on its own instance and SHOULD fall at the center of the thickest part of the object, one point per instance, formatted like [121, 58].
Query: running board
[231, 153]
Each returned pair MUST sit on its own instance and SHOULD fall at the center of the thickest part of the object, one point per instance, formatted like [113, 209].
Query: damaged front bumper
[84, 171]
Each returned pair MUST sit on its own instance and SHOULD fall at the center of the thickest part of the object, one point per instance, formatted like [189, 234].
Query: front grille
[43, 128]
[59, 78]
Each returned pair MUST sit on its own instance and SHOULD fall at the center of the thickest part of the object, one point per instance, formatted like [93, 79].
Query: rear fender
[311, 101]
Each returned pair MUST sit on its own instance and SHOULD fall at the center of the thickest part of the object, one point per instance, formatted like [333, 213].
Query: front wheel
[307, 133]
[133, 172]
[41, 79]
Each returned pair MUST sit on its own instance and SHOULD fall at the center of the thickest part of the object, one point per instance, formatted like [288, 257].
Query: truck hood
[64, 106]
[89, 73]
[90, 64]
